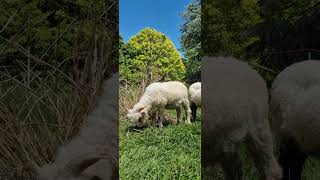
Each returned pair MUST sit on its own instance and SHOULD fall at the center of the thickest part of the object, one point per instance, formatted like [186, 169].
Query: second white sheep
[195, 98]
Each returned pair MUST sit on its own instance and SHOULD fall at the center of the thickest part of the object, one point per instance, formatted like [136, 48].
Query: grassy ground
[172, 152]
[311, 169]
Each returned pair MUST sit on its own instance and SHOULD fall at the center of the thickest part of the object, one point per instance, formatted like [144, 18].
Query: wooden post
[309, 55]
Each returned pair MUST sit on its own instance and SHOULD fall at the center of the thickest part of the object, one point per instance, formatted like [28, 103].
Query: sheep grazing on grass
[157, 97]
[295, 111]
[235, 111]
[93, 154]
[195, 98]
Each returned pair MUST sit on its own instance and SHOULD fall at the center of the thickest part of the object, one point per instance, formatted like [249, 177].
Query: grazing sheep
[295, 111]
[235, 111]
[195, 98]
[93, 154]
[157, 97]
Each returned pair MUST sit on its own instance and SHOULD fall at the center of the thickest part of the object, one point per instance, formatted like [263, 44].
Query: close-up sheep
[157, 97]
[295, 110]
[93, 154]
[235, 112]
[195, 98]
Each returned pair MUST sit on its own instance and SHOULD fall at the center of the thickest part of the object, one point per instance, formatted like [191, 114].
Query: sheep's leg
[292, 160]
[159, 118]
[193, 112]
[284, 161]
[261, 146]
[155, 116]
[115, 172]
[232, 166]
[297, 167]
[178, 109]
[187, 110]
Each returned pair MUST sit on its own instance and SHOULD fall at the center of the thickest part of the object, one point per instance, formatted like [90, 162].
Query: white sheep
[93, 154]
[195, 98]
[235, 111]
[157, 97]
[295, 111]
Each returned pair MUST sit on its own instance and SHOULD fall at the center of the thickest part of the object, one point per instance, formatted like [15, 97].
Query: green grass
[249, 170]
[311, 169]
[172, 152]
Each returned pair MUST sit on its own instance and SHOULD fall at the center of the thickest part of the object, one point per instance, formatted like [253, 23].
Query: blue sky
[162, 15]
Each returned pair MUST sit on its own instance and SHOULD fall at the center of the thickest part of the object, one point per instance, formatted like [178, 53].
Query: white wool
[235, 111]
[99, 136]
[303, 122]
[195, 93]
[295, 110]
[291, 82]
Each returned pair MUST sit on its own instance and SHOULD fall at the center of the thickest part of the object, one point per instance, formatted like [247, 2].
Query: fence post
[309, 55]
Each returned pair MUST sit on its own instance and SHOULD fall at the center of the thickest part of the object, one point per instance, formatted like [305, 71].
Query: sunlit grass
[171, 152]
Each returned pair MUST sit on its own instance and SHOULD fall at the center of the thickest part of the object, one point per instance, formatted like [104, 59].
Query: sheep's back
[293, 80]
[171, 91]
[303, 74]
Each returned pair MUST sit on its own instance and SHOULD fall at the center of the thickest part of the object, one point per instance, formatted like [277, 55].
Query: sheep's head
[71, 171]
[138, 118]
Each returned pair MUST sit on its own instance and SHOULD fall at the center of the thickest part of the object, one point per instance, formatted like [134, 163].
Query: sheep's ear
[141, 109]
[78, 165]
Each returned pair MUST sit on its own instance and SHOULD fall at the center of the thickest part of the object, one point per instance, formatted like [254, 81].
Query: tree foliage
[55, 32]
[191, 40]
[150, 56]
[269, 34]
[223, 24]
[288, 27]
[127, 74]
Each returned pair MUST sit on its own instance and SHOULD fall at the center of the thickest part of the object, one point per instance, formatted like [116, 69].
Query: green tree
[127, 74]
[191, 40]
[153, 57]
[224, 23]
[50, 31]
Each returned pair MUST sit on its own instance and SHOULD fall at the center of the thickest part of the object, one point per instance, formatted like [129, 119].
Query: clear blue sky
[162, 15]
